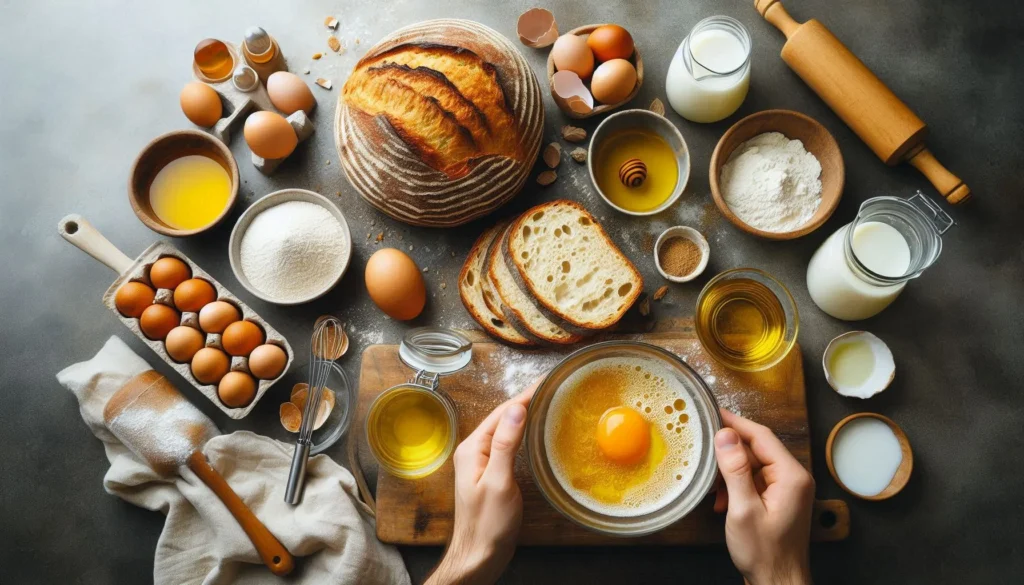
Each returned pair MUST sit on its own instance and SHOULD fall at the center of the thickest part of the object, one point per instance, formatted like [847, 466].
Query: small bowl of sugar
[777, 174]
[290, 247]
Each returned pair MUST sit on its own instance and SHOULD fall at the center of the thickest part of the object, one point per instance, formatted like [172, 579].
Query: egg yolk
[623, 436]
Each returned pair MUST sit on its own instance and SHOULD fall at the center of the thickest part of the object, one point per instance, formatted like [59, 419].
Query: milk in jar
[710, 72]
[865, 265]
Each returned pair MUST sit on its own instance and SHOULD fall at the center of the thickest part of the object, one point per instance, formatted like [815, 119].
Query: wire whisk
[328, 343]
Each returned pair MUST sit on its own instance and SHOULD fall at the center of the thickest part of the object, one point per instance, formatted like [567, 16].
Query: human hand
[488, 503]
[768, 523]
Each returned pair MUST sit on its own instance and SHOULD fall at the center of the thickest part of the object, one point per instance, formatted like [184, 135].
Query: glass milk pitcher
[710, 72]
[863, 266]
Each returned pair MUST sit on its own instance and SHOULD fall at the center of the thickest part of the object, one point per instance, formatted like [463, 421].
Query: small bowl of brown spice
[681, 253]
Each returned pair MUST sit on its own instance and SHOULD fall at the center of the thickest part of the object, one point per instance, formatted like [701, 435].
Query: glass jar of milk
[710, 72]
[863, 267]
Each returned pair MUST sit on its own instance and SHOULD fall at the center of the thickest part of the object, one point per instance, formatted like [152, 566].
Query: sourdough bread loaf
[473, 279]
[439, 123]
[567, 263]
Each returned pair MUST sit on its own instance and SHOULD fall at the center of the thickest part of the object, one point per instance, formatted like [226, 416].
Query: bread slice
[472, 280]
[566, 261]
[517, 306]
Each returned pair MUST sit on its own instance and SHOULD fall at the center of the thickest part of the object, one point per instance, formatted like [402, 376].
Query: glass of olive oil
[746, 319]
[411, 428]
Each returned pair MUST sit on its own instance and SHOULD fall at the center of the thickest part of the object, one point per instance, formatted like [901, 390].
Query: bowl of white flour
[290, 247]
[777, 174]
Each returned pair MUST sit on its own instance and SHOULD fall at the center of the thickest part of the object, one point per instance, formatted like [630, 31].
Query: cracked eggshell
[570, 94]
[883, 369]
[537, 28]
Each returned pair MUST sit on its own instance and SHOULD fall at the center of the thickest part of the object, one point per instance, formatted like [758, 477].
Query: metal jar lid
[435, 351]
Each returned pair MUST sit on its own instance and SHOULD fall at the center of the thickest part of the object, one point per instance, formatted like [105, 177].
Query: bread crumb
[316, 56]
[579, 155]
[331, 22]
[334, 44]
[661, 292]
[380, 237]
[324, 83]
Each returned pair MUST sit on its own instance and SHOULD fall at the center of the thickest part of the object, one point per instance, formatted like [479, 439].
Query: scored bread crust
[516, 304]
[471, 133]
[541, 291]
[472, 295]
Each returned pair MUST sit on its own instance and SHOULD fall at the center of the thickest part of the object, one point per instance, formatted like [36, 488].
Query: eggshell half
[537, 28]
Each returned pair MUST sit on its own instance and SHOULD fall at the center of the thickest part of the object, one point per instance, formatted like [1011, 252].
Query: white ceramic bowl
[682, 231]
[276, 198]
[882, 372]
[661, 126]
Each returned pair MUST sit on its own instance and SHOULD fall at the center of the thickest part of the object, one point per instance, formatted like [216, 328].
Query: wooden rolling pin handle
[774, 12]
[76, 229]
[830, 521]
[274, 555]
[949, 185]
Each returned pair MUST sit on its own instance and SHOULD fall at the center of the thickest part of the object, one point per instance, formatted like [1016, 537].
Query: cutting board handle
[774, 12]
[77, 230]
[830, 521]
[275, 556]
[949, 185]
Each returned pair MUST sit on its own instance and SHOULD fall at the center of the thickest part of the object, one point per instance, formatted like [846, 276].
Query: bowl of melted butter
[619, 438]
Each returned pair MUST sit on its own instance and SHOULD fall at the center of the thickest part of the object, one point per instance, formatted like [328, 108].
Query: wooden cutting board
[419, 512]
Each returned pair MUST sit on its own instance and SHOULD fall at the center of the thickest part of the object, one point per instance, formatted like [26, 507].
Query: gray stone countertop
[83, 86]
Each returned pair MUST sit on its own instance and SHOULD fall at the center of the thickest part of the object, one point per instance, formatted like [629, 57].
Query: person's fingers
[764, 445]
[505, 443]
[736, 470]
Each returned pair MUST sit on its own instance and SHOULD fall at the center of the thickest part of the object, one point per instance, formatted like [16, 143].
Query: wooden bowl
[795, 126]
[899, 480]
[162, 150]
[635, 59]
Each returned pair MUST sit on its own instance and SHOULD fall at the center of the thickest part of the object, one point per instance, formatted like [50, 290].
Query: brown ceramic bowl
[162, 150]
[795, 126]
[902, 473]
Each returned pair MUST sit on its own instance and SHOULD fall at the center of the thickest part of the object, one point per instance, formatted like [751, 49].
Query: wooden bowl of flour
[795, 126]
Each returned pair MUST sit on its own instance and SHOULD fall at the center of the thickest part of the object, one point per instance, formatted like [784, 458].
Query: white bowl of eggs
[647, 462]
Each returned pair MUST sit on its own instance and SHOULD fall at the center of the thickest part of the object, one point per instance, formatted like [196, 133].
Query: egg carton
[139, 272]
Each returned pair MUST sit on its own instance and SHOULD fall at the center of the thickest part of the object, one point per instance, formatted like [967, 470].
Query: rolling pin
[158, 424]
[857, 96]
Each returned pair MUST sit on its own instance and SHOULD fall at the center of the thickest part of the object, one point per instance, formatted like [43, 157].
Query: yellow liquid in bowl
[410, 431]
[190, 192]
[742, 324]
[653, 151]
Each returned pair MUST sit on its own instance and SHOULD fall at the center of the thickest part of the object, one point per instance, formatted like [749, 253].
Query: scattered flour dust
[772, 183]
[519, 369]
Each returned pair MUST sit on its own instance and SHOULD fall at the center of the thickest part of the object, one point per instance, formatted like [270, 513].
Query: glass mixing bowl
[709, 423]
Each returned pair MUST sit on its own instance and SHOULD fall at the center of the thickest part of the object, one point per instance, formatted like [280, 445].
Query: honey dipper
[159, 425]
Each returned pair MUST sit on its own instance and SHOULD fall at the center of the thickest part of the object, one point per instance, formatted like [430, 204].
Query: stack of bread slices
[552, 275]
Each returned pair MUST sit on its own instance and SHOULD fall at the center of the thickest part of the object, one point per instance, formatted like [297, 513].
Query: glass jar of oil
[412, 428]
[746, 320]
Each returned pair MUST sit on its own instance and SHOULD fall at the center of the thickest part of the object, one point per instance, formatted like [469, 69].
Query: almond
[547, 177]
[657, 107]
[553, 154]
[574, 134]
[661, 292]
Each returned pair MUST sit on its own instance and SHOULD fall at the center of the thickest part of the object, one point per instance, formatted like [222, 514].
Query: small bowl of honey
[638, 162]
[183, 183]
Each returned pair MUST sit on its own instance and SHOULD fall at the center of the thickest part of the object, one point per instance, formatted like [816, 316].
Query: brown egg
[236, 389]
[613, 81]
[133, 298]
[194, 294]
[215, 317]
[395, 284]
[289, 93]
[200, 103]
[269, 135]
[210, 364]
[183, 342]
[241, 337]
[169, 272]
[158, 320]
[610, 41]
[267, 361]
[571, 53]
